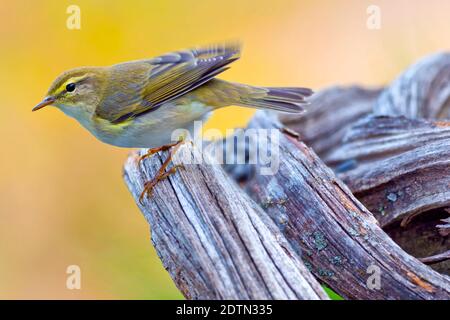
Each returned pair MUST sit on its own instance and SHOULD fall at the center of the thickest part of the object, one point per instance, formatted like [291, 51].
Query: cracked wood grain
[401, 166]
[331, 113]
[421, 92]
[337, 236]
[215, 242]
[365, 150]
[395, 160]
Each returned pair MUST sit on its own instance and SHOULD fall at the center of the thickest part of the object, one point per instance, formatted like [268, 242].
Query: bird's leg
[162, 174]
[152, 151]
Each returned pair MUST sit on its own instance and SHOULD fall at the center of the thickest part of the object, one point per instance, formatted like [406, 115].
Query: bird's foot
[150, 185]
[162, 173]
[152, 151]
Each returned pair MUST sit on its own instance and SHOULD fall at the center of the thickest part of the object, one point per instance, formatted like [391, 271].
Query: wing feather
[165, 78]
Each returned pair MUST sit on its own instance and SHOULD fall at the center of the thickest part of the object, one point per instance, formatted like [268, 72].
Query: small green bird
[139, 104]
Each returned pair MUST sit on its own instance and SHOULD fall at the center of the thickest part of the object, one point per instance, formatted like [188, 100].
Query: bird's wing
[168, 77]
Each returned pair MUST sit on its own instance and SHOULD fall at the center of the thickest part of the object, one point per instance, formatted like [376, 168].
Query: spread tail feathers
[285, 99]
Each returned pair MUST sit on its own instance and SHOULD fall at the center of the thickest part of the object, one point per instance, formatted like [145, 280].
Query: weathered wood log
[421, 92]
[375, 138]
[437, 258]
[401, 167]
[394, 191]
[215, 242]
[338, 237]
[378, 155]
[331, 113]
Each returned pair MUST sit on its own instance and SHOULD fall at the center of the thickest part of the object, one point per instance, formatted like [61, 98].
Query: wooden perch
[331, 113]
[391, 149]
[421, 92]
[396, 160]
[401, 167]
[338, 237]
[215, 241]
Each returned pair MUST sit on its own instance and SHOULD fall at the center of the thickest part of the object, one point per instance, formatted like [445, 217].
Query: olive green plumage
[139, 103]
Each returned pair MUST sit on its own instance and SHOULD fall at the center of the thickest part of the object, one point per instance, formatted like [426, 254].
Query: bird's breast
[152, 129]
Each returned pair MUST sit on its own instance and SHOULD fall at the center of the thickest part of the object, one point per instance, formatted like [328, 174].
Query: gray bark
[339, 239]
[215, 242]
[331, 113]
[401, 166]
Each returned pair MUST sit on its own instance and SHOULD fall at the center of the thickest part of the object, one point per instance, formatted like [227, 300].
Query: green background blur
[62, 198]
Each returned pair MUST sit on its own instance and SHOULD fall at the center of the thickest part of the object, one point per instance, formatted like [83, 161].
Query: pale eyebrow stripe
[76, 80]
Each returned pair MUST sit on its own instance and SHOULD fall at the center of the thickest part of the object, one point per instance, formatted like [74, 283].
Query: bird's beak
[48, 100]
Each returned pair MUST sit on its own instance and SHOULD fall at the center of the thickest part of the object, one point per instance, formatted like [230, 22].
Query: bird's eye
[70, 87]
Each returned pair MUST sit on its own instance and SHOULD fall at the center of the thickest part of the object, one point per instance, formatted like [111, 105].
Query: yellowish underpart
[112, 128]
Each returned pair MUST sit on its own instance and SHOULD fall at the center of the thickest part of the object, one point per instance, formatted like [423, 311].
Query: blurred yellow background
[62, 198]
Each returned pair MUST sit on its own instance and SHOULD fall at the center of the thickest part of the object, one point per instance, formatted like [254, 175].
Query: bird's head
[76, 91]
